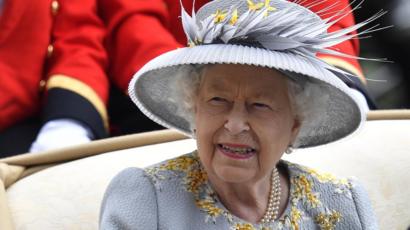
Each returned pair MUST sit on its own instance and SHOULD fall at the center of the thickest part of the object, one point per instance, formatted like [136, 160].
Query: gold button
[42, 85]
[50, 50]
[55, 6]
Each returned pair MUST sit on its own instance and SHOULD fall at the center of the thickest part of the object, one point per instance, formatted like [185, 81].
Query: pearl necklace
[272, 209]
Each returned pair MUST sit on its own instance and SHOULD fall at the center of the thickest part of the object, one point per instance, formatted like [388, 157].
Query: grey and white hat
[276, 34]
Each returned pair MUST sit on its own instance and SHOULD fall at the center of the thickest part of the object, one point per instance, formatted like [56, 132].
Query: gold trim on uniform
[55, 6]
[72, 84]
[345, 65]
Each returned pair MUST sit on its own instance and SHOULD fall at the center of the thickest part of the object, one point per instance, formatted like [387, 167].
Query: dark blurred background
[388, 83]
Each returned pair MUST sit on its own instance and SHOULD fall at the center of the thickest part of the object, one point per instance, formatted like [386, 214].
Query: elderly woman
[248, 89]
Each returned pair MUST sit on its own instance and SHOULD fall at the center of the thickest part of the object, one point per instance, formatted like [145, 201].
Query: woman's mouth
[236, 151]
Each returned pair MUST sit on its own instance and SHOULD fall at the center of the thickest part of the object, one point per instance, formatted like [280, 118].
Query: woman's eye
[261, 106]
[218, 100]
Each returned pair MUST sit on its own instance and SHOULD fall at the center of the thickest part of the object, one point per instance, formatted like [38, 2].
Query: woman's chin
[234, 174]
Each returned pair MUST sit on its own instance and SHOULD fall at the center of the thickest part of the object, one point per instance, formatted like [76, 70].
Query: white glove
[61, 133]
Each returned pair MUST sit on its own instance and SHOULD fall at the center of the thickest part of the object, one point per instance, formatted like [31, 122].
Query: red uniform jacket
[140, 30]
[52, 61]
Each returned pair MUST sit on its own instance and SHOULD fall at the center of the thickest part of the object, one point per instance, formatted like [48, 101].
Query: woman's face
[244, 122]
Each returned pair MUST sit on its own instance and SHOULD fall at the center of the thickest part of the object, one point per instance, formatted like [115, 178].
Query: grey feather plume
[292, 28]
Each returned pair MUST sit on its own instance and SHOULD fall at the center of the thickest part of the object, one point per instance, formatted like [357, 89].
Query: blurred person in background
[52, 66]
[138, 31]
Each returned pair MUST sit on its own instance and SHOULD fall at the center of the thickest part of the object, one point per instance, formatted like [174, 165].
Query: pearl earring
[289, 150]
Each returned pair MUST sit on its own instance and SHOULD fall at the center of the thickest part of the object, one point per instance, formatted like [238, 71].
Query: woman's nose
[237, 120]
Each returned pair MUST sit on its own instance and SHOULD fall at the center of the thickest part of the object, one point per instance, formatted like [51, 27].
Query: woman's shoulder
[128, 178]
[135, 195]
[317, 177]
[328, 199]
[129, 200]
[128, 183]
[325, 185]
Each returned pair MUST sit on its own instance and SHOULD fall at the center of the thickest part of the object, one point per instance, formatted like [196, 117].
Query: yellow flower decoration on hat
[260, 5]
[234, 17]
[268, 6]
[254, 6]
[219, 16]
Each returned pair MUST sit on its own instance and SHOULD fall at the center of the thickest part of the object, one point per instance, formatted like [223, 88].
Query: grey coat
[175, 194]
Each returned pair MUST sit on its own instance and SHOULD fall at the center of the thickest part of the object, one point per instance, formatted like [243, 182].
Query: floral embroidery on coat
[328, 221]
[342, 185]
[303, 193]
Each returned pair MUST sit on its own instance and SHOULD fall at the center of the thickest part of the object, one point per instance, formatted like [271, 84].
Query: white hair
[308, 102]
